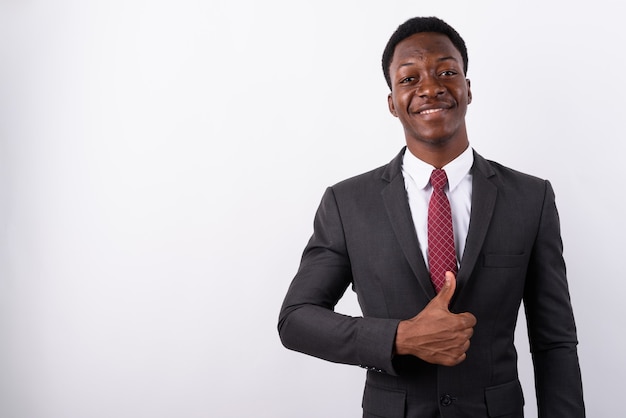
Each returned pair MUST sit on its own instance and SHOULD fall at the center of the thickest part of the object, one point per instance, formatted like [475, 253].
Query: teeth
[429, 111]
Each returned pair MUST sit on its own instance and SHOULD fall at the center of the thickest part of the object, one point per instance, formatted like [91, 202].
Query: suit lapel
[484, 194]
[397, 206]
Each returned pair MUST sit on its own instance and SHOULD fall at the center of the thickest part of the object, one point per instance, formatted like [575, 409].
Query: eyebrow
[447, 58]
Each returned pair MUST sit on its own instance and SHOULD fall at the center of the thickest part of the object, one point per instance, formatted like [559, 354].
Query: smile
[429, 111]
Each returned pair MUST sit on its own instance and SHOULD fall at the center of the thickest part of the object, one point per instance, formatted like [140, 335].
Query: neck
[437, 156]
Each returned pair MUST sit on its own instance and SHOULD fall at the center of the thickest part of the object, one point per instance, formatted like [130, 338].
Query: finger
[455, 360]
[447, 291]
[469, 320]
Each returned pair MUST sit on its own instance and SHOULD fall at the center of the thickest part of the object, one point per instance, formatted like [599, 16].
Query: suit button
[446, 400]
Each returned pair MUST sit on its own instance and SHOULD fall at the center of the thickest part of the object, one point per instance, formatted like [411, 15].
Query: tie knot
[438, 179]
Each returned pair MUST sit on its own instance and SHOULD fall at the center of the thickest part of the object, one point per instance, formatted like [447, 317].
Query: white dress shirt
[459, 191]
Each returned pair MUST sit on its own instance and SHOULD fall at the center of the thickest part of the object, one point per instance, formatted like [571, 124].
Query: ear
[392, 108]
[469, 91]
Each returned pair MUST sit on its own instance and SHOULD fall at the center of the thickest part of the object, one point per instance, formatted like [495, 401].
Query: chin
[435, 140]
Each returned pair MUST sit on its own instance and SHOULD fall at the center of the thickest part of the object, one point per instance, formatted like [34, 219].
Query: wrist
[399, 346]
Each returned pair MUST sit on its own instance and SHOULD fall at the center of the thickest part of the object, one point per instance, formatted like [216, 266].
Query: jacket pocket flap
[387, 403]
[504, 399]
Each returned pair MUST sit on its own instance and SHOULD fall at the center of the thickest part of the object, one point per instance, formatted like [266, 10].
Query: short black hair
[418, 25]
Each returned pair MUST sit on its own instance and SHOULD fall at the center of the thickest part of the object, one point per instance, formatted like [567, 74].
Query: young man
[441, 247]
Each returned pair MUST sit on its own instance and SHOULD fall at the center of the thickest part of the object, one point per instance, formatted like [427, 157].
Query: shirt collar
[420, 171]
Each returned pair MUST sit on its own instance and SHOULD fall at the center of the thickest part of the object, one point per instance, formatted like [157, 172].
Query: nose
[430, 87]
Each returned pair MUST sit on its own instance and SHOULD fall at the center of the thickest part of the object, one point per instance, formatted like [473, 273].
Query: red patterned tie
[441, 253]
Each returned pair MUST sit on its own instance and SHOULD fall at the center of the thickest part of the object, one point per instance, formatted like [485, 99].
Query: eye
[448, 73]
[407, 80]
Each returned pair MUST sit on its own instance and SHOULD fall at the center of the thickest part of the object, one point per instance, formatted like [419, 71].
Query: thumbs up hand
[436, 335]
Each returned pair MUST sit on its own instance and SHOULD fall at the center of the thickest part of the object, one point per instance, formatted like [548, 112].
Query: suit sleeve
[551, 327]
[307, 321]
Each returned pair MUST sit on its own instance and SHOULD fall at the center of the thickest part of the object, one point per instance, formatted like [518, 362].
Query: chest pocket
[503, 260]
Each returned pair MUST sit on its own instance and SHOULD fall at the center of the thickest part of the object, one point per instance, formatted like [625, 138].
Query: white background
[161, 163]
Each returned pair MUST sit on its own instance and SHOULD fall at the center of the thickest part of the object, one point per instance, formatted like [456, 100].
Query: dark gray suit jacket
[364, 237]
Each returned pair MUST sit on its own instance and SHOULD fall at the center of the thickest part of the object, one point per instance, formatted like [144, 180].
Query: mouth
[431, 111]
[434, 109]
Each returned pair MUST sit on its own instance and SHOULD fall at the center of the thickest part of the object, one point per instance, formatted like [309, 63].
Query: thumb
[447, 291]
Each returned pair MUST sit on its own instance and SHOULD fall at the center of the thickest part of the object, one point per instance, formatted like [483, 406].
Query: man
[437, 338]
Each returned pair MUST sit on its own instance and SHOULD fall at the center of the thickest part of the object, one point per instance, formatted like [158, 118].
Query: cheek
[465, 95]
[403, 102]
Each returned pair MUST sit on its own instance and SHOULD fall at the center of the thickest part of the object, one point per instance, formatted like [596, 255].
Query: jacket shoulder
[505, 175]
[373, 179]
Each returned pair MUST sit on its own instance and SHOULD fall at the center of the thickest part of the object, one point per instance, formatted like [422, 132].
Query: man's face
[429, 92]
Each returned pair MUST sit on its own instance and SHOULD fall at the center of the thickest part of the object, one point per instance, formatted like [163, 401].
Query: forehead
[422, 46]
